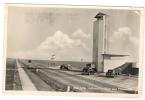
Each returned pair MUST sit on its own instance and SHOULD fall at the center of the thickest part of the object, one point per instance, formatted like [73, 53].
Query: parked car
[65, 67]
[110, 73]
[89, 69]
[113, 72]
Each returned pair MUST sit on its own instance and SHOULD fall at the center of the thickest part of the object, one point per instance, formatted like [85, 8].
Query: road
[59, 80]
[80, 83]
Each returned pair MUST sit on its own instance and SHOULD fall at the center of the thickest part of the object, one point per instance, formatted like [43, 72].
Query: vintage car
[65, 67]
[110, 73]
[89, 69]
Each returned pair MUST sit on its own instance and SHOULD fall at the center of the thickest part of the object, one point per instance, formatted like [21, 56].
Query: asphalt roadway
[48, 79]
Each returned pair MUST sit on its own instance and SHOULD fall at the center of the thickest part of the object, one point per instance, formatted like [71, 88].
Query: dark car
[65, 67]
[89, 69]
[110, 73]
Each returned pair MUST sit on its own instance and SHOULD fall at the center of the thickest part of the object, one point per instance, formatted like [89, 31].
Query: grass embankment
[12, 76]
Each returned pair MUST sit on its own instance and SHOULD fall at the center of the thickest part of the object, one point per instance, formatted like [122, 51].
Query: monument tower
[99, 41]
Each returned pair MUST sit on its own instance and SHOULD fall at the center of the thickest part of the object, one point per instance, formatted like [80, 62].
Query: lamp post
[52, 59]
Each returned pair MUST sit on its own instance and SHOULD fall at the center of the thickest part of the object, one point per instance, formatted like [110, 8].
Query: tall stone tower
[99, 41]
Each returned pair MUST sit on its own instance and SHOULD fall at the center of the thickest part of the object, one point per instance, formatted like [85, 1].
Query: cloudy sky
[38, 33]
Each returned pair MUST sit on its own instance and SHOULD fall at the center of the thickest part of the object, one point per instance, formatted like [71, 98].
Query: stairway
[125, 68]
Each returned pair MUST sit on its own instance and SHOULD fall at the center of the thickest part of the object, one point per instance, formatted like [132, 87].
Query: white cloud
[82, 39]
[65, 47]
[80, 34]
[121, 33]
[123, 42]
[58, 41]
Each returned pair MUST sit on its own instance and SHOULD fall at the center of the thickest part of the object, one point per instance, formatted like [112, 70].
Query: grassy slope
[12, 75]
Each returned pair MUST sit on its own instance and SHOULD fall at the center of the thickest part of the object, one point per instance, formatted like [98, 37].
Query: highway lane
[81, 83]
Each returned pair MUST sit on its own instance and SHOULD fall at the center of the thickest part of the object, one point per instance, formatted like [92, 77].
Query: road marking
[25, 80]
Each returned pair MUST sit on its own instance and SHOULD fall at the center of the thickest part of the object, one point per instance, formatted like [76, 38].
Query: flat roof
[114, 55]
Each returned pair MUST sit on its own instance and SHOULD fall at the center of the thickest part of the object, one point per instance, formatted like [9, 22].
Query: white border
[138, 3]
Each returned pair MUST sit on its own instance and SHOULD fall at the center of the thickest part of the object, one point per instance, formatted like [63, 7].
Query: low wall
[112, 64]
